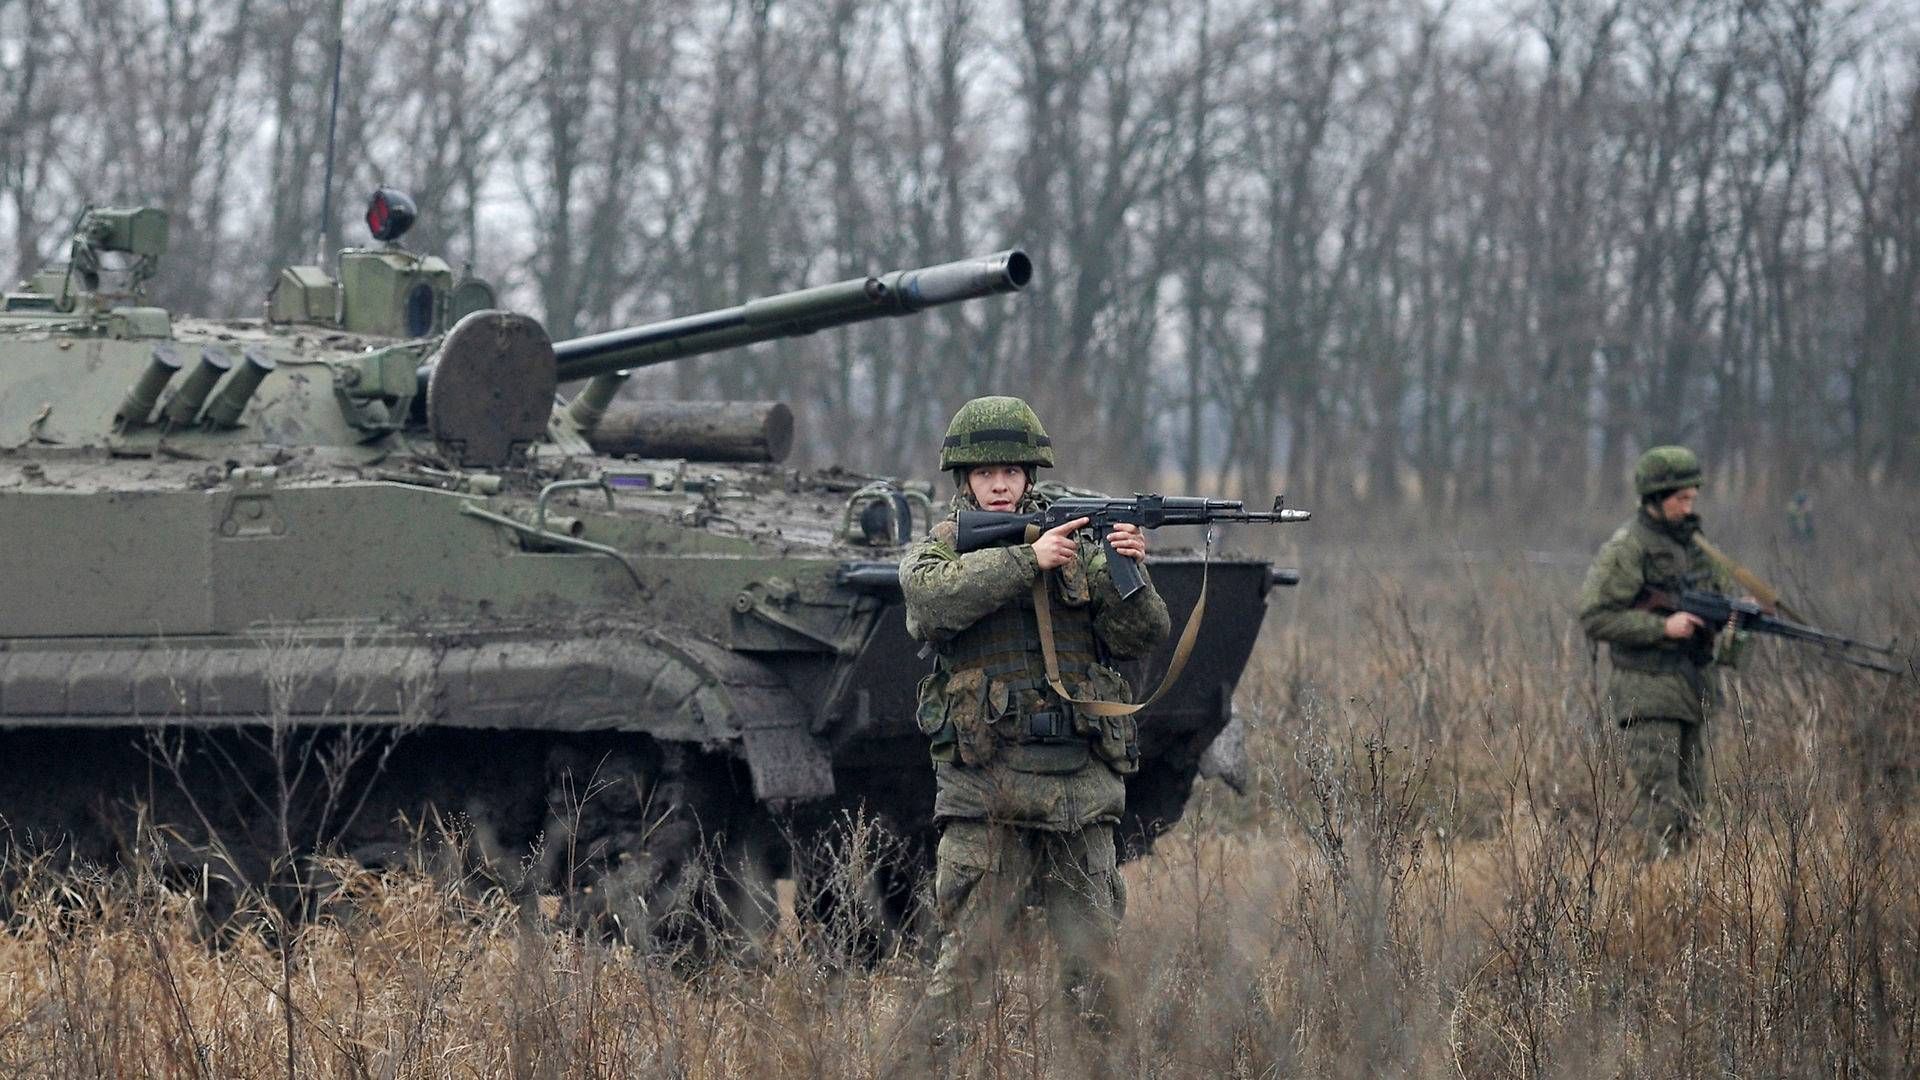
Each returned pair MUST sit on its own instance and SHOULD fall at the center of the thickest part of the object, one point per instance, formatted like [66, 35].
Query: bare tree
[29, 115]
[163, 120]
[1885, 175]
[597, 73]
[1100, 103]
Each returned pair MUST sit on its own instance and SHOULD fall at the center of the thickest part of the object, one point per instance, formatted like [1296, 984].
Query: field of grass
[1429, 875]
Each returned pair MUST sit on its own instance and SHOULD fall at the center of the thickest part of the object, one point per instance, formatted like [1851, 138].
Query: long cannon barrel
[901, 292]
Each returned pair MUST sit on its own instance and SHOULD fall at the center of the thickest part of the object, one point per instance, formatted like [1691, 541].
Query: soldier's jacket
[1005, 748]
[1654, 675]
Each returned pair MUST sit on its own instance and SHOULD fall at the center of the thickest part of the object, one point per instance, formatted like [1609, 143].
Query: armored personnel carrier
[354, 573]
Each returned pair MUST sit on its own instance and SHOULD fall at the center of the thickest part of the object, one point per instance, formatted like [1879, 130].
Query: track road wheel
[858, 891]
[645, 846]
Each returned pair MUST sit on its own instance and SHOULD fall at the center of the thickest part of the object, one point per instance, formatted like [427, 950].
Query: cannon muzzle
[901, 292]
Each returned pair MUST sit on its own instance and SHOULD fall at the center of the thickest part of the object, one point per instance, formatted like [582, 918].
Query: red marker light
[390, 213]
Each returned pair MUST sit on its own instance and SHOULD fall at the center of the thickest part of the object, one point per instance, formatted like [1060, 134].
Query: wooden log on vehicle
[696, 430]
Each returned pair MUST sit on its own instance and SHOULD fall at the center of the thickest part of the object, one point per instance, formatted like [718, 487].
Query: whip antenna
[333, 120]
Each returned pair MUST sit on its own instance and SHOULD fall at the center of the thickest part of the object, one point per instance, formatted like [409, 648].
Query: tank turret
[502, 361]
[404, 347]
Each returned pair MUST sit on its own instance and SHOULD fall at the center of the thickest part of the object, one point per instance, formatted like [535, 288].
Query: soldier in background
[1800, 516]
[1663, 686]
[1028, 789]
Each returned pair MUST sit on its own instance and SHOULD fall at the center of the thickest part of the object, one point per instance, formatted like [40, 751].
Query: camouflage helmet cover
[995, 431]
[1666, 468]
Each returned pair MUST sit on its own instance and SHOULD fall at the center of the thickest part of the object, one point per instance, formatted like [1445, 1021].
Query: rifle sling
[1043, 614]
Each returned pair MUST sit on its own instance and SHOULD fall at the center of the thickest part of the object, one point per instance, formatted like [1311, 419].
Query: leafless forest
[1386, 249]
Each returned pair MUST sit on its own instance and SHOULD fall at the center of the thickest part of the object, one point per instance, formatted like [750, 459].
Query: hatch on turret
[393, 292]
[471, 295]
[385, 291]
[304, 294]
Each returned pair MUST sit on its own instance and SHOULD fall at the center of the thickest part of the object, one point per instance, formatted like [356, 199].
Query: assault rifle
[988, 528]
[1717, 611]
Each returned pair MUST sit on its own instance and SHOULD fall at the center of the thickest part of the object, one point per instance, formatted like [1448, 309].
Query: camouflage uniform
[1661, 690]
[1028, 789]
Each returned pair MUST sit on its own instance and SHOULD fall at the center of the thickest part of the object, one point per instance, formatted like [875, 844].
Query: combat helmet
[1664, 469]
[995, 431]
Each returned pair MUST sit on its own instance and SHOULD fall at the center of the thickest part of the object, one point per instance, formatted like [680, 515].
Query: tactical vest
[996, 703]
[1669, 566]
[1005, 646]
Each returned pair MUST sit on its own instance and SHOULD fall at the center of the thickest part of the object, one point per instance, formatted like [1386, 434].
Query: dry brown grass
[1430, 878]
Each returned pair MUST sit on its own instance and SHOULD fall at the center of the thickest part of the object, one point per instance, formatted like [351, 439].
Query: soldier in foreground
[1663, 687]
[1028, 787]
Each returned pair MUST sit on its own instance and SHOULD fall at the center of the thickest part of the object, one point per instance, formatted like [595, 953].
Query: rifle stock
[984, 529]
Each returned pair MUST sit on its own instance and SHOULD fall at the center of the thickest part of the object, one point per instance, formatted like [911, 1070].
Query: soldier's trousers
[987, 876]
[1667, 760]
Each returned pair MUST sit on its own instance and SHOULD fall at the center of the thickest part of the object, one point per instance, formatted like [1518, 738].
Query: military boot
[952, 1021]
[1093, 1006]
[932, 1041]
[1094, 1031]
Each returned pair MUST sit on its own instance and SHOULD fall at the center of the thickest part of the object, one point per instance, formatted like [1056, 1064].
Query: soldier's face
[1679, 504]
[997, 487]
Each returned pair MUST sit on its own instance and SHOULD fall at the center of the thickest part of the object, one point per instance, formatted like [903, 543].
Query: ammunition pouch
[1070, 586]
[930, 716]
[974, 720]
[1114, 739]
[1119, 743]
[968, 700]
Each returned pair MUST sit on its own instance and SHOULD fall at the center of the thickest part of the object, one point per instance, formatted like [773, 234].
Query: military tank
[354, 574]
